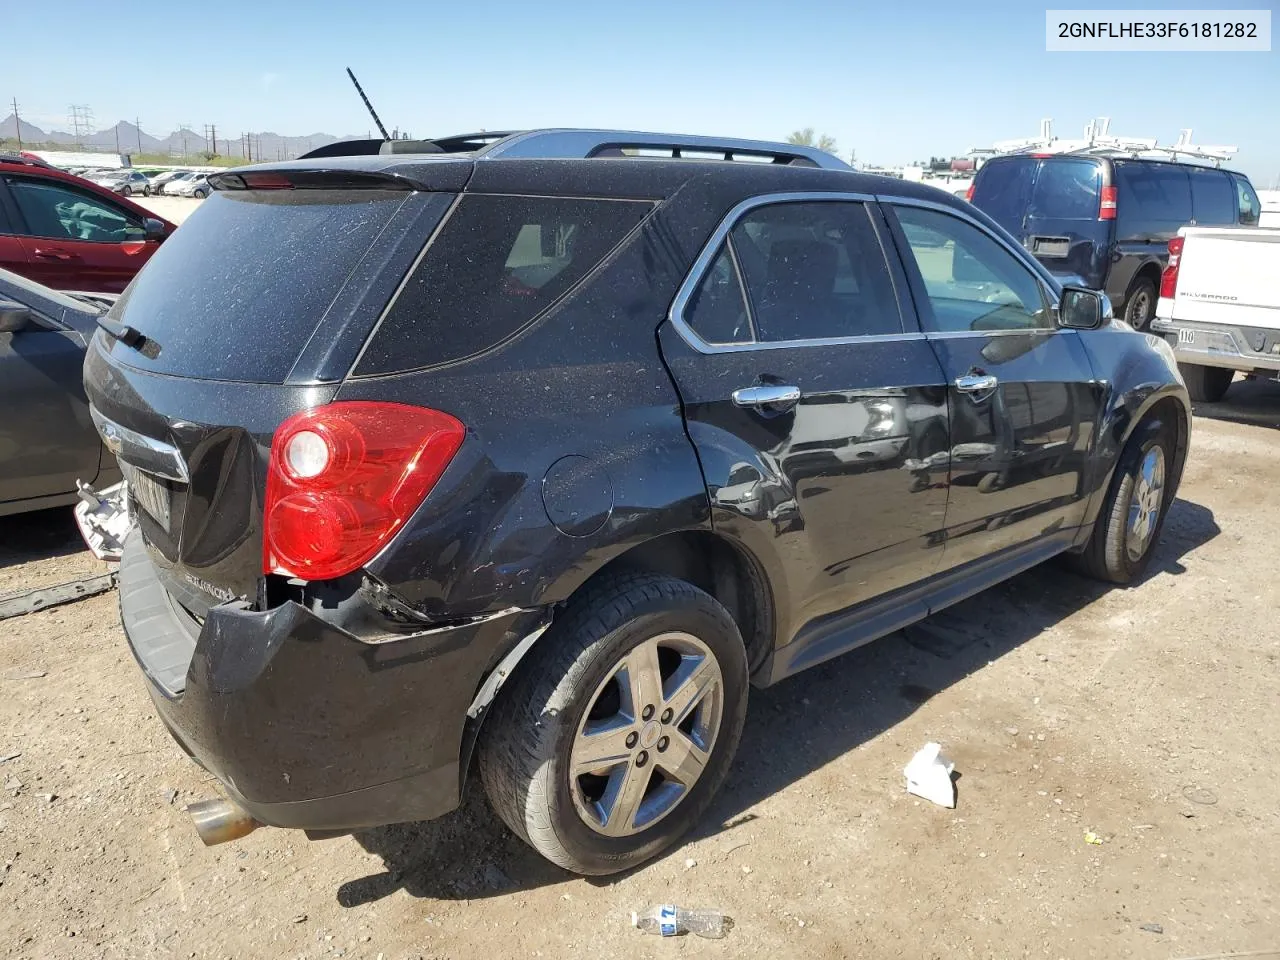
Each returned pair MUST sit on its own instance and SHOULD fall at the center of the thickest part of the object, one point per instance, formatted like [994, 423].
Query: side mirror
[1083, 309]
[154, 228]
[14, 316]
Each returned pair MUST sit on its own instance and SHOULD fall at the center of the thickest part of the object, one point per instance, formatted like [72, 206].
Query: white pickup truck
[1220, 306]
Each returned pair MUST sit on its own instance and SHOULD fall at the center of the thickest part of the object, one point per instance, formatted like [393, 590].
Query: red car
[69, 234]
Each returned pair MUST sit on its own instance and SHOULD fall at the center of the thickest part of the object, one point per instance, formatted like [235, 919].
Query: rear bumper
[305, 725]
[1220, 345]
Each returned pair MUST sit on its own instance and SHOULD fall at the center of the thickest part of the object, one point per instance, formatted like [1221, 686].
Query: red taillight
[968, 194]
[1169, 279]
[1107, 206]
[344, 477]
[266, 181]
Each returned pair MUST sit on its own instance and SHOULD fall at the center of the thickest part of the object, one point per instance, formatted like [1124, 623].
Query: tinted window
[497, 263]
[815, 270]
[1250, 208]
[1067, 190]
[64, 213]
[970, 280]
[1151, 198]
[236, 293]
[1213, 199]
[717, 311]
[1002, 190]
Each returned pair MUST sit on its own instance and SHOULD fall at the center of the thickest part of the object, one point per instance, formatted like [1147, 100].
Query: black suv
[542, 450]
[1109, 221]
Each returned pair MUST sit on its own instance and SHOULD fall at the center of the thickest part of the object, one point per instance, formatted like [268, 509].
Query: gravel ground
[1145, 716]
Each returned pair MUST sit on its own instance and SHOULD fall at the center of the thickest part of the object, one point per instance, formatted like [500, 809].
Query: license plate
[149, 494]
[1186, 336]
[1051, 246]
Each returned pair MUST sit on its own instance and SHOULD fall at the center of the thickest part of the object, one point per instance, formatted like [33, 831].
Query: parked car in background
[47, 439]
[1109, 221]
[1220, 306]
[196, 185]
[70, 234]
[159, 181]
[125, 182]
[387, 522]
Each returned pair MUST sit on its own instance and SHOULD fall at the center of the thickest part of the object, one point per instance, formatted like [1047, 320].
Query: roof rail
[583, 144]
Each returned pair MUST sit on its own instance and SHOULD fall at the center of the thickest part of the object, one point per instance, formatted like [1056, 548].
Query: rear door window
[1152, 199]
[496, 264]
[1213, 200]
[1067, 190]
[1002, 190]
[815, 271]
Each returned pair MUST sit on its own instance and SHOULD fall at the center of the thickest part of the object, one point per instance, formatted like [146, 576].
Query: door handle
[976, 383]
[766, 395]
[45, 254]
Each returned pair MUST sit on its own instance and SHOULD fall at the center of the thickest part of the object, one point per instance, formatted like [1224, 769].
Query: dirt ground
[1146, 716]
[173, 209]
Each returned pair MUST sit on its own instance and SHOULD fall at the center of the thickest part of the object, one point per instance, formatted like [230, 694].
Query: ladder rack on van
[585, 144]
[1098, 142]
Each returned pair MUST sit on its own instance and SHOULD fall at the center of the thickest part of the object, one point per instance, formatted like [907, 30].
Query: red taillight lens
[1169, 279]
[1107, 205]
[343, 478]
[968, 194]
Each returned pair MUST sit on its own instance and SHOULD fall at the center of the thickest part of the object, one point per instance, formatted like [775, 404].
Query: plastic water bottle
[669, 920]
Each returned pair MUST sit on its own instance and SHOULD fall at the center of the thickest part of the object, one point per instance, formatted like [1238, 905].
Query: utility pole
[17, 122]
[117, 131]
[182, 130]
[137, 127]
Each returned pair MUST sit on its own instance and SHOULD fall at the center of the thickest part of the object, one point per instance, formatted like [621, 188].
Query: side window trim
[732, 248]
[720, 237]
[915, 280]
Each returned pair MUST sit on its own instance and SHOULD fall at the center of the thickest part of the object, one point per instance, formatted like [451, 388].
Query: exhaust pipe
[221, 821]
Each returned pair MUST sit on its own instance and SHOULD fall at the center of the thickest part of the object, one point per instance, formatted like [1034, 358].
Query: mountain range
[180, 143]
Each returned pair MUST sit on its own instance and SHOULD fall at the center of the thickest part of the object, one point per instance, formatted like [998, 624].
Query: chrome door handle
[976, 383]
[766, 395]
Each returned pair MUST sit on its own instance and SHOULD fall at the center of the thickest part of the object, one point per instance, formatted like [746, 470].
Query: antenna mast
[373, 113]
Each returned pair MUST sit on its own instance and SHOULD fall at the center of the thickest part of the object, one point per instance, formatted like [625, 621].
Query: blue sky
[896, 81]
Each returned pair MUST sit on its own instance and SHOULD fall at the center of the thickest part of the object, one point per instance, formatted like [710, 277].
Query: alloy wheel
[1145, 506]
[647, 734]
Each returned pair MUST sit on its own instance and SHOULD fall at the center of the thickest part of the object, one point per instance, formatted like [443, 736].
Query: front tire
[198, 194]
[1129, 523]
[127, 192]
[1140, 304]
[620, 726]
[1206, 384]
[146, 191]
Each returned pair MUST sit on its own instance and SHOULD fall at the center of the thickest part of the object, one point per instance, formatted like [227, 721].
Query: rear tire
[598, 806]
[1132, 516]
[146, 191]
[1206, 384]
[1140, 304]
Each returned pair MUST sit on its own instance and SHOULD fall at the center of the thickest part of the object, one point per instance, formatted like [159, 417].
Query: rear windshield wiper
[129, 336]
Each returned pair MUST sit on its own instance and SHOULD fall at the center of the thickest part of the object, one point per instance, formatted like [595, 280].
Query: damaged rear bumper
[304, 724]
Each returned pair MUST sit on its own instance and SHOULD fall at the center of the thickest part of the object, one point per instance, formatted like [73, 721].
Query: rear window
[497, 263]
[1002, 190]
[1067, 190]
[238, 290]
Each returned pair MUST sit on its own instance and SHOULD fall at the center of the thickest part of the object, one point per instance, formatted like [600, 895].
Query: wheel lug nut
[667, 715]
[632, 739]
[648, 713]
[642, 758]
[662, 743]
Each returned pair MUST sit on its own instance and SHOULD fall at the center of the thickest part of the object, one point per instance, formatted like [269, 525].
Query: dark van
[1109, 221]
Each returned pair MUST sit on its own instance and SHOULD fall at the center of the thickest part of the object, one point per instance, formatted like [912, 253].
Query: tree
[806, 138]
